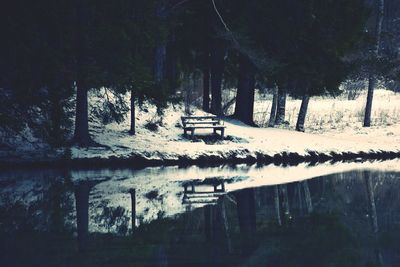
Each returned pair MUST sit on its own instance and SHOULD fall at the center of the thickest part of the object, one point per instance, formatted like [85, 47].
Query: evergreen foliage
[52, 51]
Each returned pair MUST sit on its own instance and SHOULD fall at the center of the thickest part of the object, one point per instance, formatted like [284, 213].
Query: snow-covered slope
[333, 127]
[338, 135]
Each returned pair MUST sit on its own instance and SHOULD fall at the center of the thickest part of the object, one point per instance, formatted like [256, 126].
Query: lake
[344, 214]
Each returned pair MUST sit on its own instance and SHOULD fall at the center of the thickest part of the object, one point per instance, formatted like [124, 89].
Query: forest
[55, 54]
[200, 133]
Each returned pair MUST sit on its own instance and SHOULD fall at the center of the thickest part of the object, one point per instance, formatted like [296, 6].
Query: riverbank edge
[139, 161]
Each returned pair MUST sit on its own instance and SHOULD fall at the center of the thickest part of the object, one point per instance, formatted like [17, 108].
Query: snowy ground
[333, 125]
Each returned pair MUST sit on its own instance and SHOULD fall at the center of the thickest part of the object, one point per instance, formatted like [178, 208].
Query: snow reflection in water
[348, 219]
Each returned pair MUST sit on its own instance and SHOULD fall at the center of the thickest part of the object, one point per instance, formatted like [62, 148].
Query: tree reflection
[246, 212]
[318, 222]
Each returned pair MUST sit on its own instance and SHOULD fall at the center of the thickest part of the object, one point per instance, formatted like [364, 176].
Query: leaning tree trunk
[302, 113]
[373, 215]
[280, 110]
[217, 69]
[244, 107]
[81, 134]
[132, 130]
[272, 116]
[372, 78]
[370, 96]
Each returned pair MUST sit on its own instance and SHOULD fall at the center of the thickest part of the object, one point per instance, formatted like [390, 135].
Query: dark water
[59, 218]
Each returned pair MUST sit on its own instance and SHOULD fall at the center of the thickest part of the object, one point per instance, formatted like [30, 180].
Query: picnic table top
[207, 181]
[201, 122]
[199, 117]
[206, 127]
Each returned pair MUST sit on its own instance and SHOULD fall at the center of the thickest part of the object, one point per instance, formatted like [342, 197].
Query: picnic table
[193, 196]
[191, 123]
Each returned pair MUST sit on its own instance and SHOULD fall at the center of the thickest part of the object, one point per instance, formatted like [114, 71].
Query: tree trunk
[206, 86]
[161, 49]
[281, 107]
[247, 218]
[285, 201]
[371, 202]
[160, 257]
[221, 210]
[159, 69]
[257, 196]
[82, 191]
[370, 96]
[372, 78]
[272, 116]
[277, 205]
[171, 71]
[217, 232]
[217, 70]
[307, 196]
[245, 92]
[302, 113]
[373, 215]
[133, 206]
[188, 92]
[300, 198]
[56, 203]
[81, 134]
[56, 113]
[132, 130]
[208, 227]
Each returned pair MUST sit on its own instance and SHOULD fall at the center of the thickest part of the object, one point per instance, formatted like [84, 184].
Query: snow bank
[331, 137]
[333, 132]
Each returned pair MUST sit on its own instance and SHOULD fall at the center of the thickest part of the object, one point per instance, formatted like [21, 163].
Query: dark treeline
[53, 53]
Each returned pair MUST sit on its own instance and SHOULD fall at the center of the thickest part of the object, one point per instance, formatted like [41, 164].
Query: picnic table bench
[193, 196]
[191, 123]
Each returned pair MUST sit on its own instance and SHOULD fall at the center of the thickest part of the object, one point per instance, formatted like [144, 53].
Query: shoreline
[139, 161]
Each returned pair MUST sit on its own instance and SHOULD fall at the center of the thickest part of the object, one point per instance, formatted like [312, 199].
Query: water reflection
[345, 219]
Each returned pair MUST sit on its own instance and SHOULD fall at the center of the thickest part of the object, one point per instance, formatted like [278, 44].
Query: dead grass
[337, 115]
